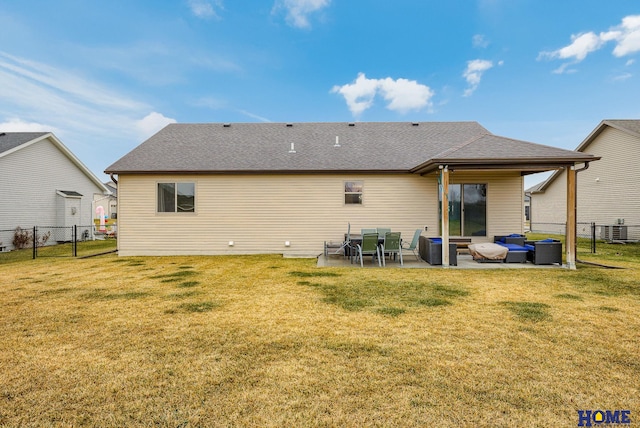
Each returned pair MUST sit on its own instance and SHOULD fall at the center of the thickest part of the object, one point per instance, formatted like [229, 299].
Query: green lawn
[268, 341]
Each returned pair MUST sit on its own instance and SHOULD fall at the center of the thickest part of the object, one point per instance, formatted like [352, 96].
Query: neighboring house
[287, 188]
[109, 203]
[608, 192]
[43, 184]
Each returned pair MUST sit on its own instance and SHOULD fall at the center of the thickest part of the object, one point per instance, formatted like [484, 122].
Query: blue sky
[104, 76]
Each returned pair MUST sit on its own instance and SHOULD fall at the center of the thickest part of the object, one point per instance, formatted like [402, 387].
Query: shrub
[22, 238]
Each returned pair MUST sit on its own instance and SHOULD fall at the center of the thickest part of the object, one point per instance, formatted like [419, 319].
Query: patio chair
[363, 231]
[392, 244]
[382, 231]
[514, 238]
[544, 252]
[430, 250]
[369, 246]
[344, 246]
[413, 246]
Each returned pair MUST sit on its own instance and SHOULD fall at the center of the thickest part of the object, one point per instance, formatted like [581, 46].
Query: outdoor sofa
[544, 252]
[515, 244]
[430, 250]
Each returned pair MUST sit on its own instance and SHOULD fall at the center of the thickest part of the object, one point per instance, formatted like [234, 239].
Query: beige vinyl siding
[505, 200]
[260, 212]
[549, 209]
[607, 190]
[616, 194]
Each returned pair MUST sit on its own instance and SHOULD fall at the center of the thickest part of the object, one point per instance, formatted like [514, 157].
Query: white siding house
[287, 188]
[608, 192]
[43, 184]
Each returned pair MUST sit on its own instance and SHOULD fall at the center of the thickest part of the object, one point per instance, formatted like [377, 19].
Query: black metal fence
[610, 233]
[55, 241]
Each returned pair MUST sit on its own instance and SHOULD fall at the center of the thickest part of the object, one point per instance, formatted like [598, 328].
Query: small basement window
[353, 192]
[176, 197]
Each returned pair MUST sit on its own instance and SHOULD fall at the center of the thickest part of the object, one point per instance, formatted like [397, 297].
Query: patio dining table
[356, 238]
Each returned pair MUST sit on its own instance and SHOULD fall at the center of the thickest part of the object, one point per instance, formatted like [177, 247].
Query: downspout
[116, 181]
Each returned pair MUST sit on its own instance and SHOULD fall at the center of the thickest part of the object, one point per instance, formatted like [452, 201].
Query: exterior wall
[607, 191]
[260, 212]
[550, 207]
[505, 200]
[616, 193]
[30, 177]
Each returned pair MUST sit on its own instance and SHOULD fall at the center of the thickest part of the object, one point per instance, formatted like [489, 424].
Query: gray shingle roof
[631, 126]
[373, 146]
[11, 140]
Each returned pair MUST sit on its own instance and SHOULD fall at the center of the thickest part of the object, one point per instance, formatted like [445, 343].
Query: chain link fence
[54, 241]
[594, 233]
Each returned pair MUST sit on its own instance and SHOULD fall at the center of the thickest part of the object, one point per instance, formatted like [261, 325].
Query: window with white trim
[176, 197]
[353, 192]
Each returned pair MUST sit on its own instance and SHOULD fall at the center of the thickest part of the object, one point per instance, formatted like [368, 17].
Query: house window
[176, 197]
[353, 192]
[467, 210]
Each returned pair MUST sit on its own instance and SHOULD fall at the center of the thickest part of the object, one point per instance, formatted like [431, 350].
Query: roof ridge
[460, 146]
[621, 124]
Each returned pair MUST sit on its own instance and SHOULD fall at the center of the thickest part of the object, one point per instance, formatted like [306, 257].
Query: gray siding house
[43, 184]
[608, 192]
[252, 188]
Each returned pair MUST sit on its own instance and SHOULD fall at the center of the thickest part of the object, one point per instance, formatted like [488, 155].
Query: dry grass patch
[267, 341]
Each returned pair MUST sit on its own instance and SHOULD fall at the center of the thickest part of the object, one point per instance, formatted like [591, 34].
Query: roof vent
[337, 144]
[352, 124]
[226, 125]
[293, 149]
[289, 125]
[415, 124]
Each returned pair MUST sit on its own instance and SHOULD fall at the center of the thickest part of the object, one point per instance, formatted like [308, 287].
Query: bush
[22, 238]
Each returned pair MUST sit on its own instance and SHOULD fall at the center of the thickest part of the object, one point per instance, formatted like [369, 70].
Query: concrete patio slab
[465, 261]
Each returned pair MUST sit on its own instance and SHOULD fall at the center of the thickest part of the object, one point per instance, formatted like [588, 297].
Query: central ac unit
[613, 233]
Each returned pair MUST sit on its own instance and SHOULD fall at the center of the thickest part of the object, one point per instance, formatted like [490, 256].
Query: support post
[571, 230]
[75, 240]
[444, 188]
[35, 241]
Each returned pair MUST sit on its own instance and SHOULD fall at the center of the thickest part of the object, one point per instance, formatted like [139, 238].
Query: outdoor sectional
[515, 244]
[430, 250]
[547, 251]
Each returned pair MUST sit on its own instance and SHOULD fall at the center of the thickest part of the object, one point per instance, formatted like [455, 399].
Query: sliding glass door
[467, 210]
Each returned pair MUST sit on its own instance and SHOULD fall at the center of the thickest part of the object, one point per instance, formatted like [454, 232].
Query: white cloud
[630, 62]
[95, 121]
[254, 116]
[73, 86]
[473, 74]
[480, 41]
[402, 95]
[622, 77]
[152, 123]
[15, 124]
[626, 37]
[580, 47]
[298, 11]
[204, 9]
[359, 94]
